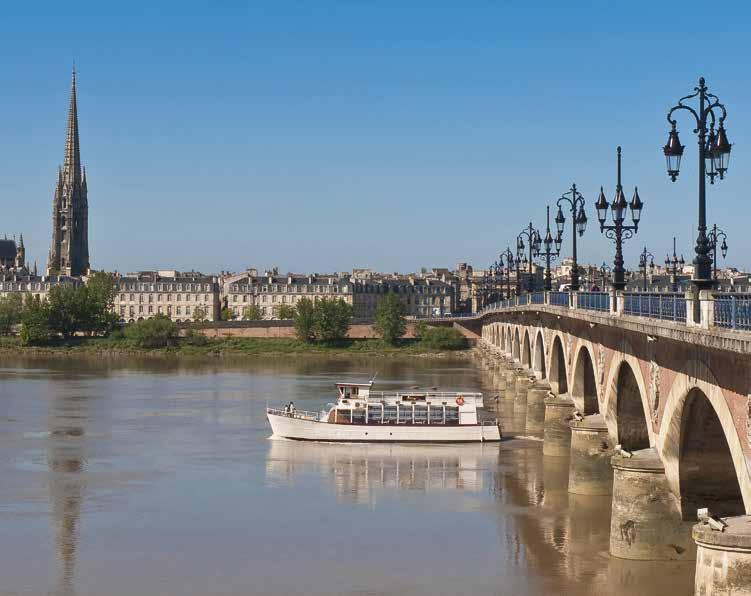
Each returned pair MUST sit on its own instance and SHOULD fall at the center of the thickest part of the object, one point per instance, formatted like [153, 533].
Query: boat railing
[299, 414]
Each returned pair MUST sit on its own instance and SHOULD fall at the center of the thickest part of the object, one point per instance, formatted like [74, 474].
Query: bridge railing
[732, 310]
[559, 298]
[593, 301]
[666, 307]
[537, 298]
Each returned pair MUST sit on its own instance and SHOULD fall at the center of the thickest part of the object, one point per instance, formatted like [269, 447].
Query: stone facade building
[142, 295]
[24, 282]
[69, 248]
[422, 296]
[271, 290]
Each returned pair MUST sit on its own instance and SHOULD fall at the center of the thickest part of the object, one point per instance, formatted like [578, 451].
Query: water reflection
[66, 459]
[358, 472]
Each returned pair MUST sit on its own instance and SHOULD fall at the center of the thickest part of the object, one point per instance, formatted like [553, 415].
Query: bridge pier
[521, 386]
[557, 431]
[590, 471]
[723, 559]
[536, 395]
[645, 522]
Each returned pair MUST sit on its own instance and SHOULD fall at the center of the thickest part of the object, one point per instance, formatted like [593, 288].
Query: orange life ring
[460, 401]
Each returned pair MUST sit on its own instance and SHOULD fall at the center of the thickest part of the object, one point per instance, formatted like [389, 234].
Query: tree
[332, 318]
[252, 312]
[35, 328]
[100, 298]
[11, 308]
[390, 323]
[285, 312]
[157, 332]
[226, 314]
[304, 319]
[199, 314]
[68, 309]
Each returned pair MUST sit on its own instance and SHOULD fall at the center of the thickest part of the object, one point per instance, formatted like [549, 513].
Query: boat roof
[347, 384]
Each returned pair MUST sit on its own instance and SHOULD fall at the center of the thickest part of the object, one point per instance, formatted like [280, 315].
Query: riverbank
[228, 346]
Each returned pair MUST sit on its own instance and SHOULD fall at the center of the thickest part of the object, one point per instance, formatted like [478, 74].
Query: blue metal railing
[521, 299]
[732, 310]
[593, 301]
[559, 298]
[537, 298]
[667, 307]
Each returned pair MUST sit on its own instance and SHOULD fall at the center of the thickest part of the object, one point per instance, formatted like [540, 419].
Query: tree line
[68, 310]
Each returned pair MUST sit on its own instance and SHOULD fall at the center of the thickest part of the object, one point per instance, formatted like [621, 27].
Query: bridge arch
[700, 445]
[557, 375]
[627, 385]
[509, 340]
[516, 348]
[583, 382]
[538, 362]
[526, 350]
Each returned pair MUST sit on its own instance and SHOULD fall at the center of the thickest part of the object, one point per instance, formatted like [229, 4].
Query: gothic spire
[72, 163]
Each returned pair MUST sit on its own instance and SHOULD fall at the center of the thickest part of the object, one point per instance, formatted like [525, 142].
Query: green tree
[68, 309]
[199, 314]
[390, 323]
[305, 319]
[35, 326]
[100, 299]
[157, 332]
[252, 312]
[443, 338]
[285, 312]
[226, 314]
[332, 318]
[11, 308]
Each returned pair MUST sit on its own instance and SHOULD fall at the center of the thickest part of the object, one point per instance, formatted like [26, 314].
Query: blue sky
[322, 136]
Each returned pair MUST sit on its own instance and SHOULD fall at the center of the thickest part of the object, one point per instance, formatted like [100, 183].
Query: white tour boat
[363, 415]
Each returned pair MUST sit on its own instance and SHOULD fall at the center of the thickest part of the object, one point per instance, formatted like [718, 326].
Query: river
[142, 477]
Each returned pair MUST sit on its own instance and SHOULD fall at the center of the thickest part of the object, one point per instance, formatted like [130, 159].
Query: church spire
[72, 163]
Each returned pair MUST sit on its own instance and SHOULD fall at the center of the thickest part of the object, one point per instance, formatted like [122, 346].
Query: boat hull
[310, 430]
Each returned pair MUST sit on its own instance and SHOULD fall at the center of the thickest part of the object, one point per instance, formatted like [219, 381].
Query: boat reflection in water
[358, 470]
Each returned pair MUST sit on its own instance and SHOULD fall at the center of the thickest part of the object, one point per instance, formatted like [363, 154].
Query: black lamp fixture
[575, 202]
[619, 231]
[714, 157]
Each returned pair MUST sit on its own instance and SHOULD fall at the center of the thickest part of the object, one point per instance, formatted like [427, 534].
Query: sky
[323, 136]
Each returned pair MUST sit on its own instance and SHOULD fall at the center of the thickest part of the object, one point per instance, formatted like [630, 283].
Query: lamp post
[507, 268]
[575, 201]
[549, 254]
[715, 234]
[618, 231]
[714, 155]
[533, 248]
[604, 271]
[645, 254]
[673, 265]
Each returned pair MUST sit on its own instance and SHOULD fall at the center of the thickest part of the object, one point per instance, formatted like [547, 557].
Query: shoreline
[222, 349]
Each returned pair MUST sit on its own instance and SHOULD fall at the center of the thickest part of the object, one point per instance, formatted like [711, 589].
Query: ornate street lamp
[645, 254]
[619, 231]
[507, 268]
[715, 234]
[714, 155]
[579, 224]
[674, 265]
[549, 253]
[533, 248]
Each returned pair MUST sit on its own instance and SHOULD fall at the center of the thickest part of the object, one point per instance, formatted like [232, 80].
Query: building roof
[7, 249]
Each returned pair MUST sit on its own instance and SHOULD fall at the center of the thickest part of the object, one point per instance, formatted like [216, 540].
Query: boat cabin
[358, 404]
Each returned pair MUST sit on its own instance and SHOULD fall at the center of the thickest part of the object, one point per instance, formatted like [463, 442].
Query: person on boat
[291, 407]
[286, 408]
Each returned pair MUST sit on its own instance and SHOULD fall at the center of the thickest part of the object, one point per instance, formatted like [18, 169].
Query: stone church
[69, 249]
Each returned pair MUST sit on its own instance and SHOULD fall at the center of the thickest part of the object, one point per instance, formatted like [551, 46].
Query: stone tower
[20, 254]
[69, 249]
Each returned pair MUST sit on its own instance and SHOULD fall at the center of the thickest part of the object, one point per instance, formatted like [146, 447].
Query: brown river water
[128, 477]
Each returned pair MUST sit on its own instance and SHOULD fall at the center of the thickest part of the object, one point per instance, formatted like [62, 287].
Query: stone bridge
[655, 412]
